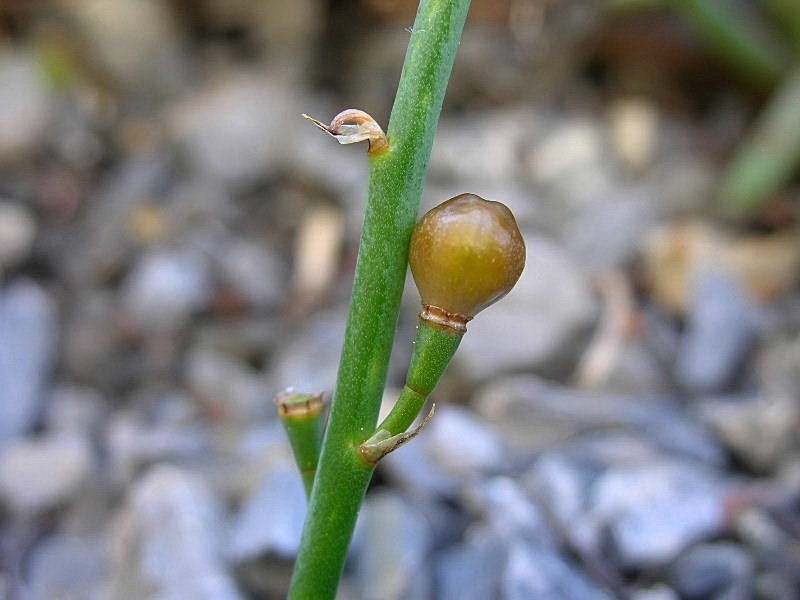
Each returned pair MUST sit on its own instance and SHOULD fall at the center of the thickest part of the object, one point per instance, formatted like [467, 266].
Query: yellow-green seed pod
[465, 254]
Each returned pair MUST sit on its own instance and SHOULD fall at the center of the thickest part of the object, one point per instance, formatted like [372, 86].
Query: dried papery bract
[352, 126]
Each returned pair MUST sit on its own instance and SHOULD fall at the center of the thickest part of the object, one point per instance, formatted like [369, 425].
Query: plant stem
[787, 16]
[734, 39]
[395, 188]
[302, 417]
[770, 154]
[433, 349]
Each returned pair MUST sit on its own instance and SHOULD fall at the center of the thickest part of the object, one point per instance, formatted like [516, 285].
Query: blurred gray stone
[166, 288]
[653, 511]
[227, 131]
[167, 540]
[17, 231]
[252, 271]
[393, 541]
[28, 330]
[271, 520]
[533, 414]
[775, 586]
[507, 511]
[462, 444]
[76, 410]
[90, 337]
[720, 331]
[535, 571]
[136, 43]
[471, 570]
[26, 105]
[550, 305]
[413, 469]
[68, 567]
[608, 235]
[309, 360]
[657, 592]
[642, 511]
[711, 570]
[228, 386]
[40, 473]
[481, 149]
[533, 566]
[285, 32]
[758, 430]
[172, 432]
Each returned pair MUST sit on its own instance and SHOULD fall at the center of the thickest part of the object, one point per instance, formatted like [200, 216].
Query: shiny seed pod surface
[466, 254]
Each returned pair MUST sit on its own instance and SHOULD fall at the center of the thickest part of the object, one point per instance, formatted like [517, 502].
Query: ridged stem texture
[433, 349]
[395, 188]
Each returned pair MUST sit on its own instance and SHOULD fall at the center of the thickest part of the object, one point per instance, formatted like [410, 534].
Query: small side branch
[302, 416]
[383, 442]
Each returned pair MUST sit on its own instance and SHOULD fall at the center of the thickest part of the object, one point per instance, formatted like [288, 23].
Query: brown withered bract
[465, 254]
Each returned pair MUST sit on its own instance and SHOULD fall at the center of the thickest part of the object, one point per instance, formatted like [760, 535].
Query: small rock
[392, 541]
[252, 271]
[413, 469]
[40, 473]
[309, 360]
[775, 586]
[720, 331]
[17, 231]
[226, 132]
[68, 568]
[271, 520]
[26, 105]
[507, 511]
[317, 256]
[759, 431]
[634, 127]
[461, 444]
[231, 389]
[76, 410]
[483, 149]
[654, 511]
[766, 265]
[534, 571]
[27, 347]
[608, 235]
[709, 570]
[165, 288]
[471, 570]
[657, 592]
[166, 541]
[532, 414]
[90, 338]
[135, 42]
[172, 432]
[552, 298]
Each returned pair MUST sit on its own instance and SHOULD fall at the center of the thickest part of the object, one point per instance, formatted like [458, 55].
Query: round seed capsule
[465, 254]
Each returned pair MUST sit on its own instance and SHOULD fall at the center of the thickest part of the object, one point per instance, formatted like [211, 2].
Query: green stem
[302, 417]
[433, 350]
[734, 39]
[396, 182]
[769, 156]
[787, 17]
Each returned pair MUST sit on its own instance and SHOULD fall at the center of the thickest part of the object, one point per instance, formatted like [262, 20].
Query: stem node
[383, 442]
